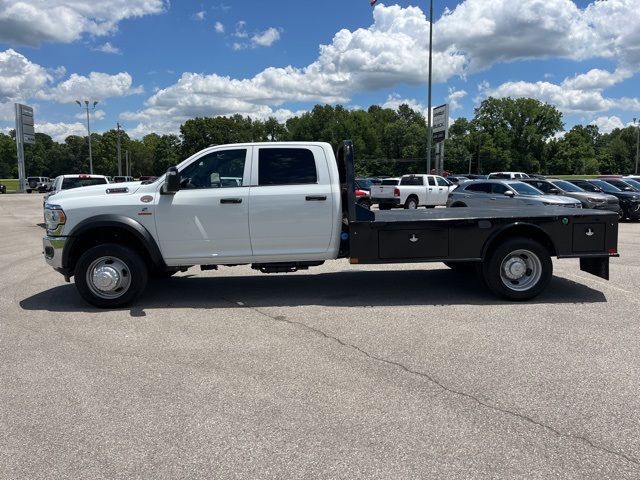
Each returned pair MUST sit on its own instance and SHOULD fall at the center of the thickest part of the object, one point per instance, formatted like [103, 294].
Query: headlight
[55, 219]
[595, 200]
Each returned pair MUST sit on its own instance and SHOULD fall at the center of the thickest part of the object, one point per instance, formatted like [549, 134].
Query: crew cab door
[443, 188]
[432, 191]
[208, 218]
[291, 202]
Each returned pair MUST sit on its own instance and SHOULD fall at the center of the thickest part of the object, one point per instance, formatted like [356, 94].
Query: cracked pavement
[398, 371]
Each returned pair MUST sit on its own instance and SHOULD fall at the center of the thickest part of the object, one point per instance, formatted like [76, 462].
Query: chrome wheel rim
[520, 270]
[412, 205]
[108, 277]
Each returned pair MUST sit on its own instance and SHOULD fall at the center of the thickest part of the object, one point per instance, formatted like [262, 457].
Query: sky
[153, 64]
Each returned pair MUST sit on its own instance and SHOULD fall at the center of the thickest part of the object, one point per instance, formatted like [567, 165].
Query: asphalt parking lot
[400, 371]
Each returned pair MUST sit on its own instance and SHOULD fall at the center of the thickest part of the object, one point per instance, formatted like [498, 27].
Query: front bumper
[52, 249]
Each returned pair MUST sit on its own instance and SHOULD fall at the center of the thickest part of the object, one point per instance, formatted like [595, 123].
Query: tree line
[504, 134]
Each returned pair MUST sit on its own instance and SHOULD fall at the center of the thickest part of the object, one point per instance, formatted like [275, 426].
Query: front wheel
[518, 269]
[110, 275]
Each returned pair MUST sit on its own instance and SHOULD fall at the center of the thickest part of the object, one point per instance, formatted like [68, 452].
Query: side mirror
[171, 181]
[554, 191]
[509, 194]
[628, 189]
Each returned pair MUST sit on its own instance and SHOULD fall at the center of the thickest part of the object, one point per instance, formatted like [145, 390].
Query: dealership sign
[440, 126]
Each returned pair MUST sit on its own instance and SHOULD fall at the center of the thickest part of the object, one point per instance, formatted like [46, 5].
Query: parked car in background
[500, 193]
[629, 201]
[633, 181]
[363, 192]
[67, 182]
[378, 187]
[567, 189]
[457, 179]
[3, 188]
[122, 179]
[475, 176]
[412, 192]
[507, 175]
[620, 184]
[38, 184]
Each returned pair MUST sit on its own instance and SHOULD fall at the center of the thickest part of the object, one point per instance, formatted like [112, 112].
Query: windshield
[633, 183]
[524, 188]
[69, 183]
[566, 186]
[607, 187]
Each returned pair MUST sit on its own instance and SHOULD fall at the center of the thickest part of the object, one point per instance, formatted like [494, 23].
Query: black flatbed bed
[469, 234]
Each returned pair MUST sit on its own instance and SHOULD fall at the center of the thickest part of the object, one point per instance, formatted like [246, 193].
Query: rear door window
[479, 188]
[413, 181]
[432, 182]
[286, 166]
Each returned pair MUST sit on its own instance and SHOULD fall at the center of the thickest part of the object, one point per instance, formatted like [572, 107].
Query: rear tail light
[396, 192]
[361, 193]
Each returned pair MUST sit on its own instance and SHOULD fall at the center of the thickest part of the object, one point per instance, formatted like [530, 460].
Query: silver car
[499, 193]
[600, 201]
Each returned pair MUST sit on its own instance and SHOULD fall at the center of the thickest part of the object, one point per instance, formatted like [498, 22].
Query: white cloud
[511, 30]
[394, 101]
[266, 38]
[454, 98]
[608, 124]
[97, 86]
[218, 27]
[579, 94]
[108, 48]
[32, 22]
[20, 78]
[60, 131]
[200, 15]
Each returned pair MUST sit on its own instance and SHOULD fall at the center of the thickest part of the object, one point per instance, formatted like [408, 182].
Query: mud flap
[596, 266]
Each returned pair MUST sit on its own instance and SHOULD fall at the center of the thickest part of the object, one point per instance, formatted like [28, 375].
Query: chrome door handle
[316, 198]
[227, 201]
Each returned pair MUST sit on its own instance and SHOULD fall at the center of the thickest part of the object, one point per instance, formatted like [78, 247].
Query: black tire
[129, 265]
[28, 190]
[411, 203]
[625, 214]
[430, 206]
[384, 206]
[458, 205]
[462, 267]
[528, 258]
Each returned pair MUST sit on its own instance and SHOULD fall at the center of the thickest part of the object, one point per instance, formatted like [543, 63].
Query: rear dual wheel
[518, 269]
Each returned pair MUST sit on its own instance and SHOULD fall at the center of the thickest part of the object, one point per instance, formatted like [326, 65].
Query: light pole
[86, 104]
[429, 137]
[636, 122]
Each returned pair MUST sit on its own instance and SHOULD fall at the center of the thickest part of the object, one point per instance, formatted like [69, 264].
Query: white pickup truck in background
[412, 192]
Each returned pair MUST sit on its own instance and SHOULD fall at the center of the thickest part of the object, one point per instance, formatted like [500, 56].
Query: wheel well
[101, 235]
[526, 231]
[412, 196]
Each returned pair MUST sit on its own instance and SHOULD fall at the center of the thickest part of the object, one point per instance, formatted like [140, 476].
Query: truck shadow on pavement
[340, 289]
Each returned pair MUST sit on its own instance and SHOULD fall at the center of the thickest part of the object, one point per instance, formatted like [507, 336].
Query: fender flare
[119, 221]
[517, 226]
